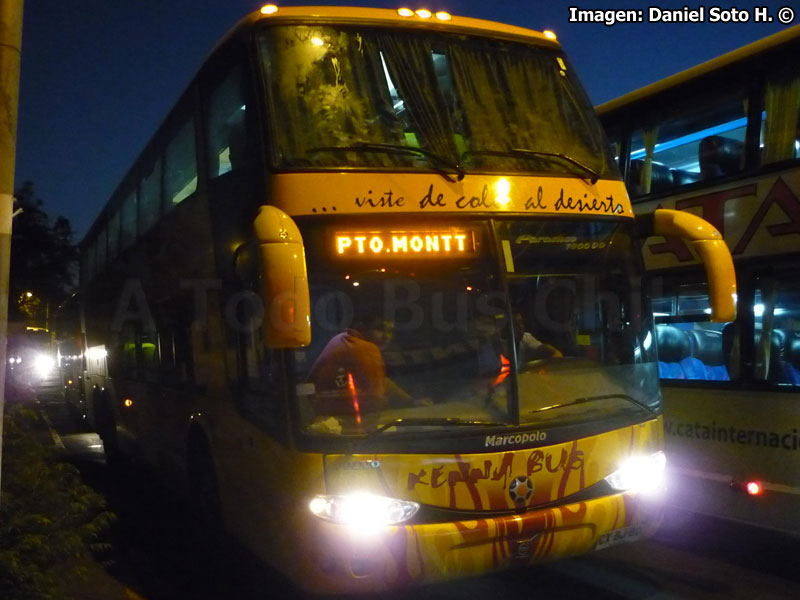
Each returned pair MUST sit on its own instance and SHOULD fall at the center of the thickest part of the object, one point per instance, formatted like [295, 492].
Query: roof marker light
[405, 12]
[424, 13]
[269, 9]
[549, 34]
[443, 16]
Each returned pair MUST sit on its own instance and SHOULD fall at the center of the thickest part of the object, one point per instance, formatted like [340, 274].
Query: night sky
[98, 76]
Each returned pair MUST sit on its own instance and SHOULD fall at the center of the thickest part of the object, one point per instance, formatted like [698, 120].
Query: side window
[227, 134]
[150, 197]
[149, 355]
[89, 262]
[696, 145]
[780, 131]
[776, 337]
[245, 316]
[259, 373]
[258, 366]
[100, 251]
[113, 236]
[180, 166]
[86, 265]
[615, 144]
[127, 350]
[689, 345]
[175, 337]
[129, 228]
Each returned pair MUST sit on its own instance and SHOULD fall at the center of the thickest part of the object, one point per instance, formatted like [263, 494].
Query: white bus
[722, 141]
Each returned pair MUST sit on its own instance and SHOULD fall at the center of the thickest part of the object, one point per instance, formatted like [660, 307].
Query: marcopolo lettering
[515, 438]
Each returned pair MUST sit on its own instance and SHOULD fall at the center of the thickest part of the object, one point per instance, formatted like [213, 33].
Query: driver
[530, 348]
[350, 374]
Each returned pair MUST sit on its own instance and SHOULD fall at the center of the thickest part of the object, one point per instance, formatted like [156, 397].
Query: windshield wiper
[438, 162]
[552, 156]
[427, 422]
[588, 399]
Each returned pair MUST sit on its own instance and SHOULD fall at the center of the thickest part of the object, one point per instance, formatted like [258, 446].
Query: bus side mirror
[711, 248]
[284, 289]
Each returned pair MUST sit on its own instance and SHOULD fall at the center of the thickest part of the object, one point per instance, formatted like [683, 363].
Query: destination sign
[448, 243]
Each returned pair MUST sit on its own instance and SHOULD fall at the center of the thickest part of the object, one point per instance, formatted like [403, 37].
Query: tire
[107, 430]
[204, 489]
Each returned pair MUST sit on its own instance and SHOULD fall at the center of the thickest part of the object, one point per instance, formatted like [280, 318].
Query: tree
[50, 520]
[43, 261]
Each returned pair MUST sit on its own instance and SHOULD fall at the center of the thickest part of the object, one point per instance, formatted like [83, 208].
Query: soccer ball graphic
[520, 490]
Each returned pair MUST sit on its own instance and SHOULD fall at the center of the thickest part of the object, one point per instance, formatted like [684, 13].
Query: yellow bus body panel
[476, 528]
[424, 193]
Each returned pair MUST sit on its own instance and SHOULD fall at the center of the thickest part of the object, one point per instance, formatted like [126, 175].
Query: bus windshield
[475, 322]
[379, 98]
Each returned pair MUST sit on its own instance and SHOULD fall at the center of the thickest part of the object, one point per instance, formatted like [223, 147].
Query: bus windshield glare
[404, 329]
[370, 98]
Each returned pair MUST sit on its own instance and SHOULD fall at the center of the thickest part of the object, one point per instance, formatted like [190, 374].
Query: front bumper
[341, 561]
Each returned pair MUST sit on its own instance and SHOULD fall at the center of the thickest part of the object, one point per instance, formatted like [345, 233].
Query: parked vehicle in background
[722, 140]
[31, 359]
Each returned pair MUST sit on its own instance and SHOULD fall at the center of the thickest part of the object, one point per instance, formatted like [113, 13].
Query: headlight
[44, 365]
[363, 512]
[640, 473]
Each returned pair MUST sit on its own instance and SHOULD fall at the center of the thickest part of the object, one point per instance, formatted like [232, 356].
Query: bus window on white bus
[689, 345]
[703, 142]
[780, 131]
[776, 312]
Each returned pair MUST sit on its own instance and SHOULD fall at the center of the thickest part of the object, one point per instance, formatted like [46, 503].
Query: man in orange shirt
[350, 375]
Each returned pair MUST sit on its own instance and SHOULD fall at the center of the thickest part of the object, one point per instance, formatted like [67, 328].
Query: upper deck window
[338, 92]
[129, 222]
[226, 130]
[180, 171]
[113, 235]
[150, 197]
[693, 145]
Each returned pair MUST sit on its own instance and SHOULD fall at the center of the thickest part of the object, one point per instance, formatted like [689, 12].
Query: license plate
[618, 536]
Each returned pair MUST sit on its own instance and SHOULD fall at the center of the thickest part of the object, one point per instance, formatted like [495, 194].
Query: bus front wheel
[107, 430]
[204, 487]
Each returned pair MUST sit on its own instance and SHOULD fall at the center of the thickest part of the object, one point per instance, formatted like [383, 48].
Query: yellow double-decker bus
[372, 295]
[722, 141]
